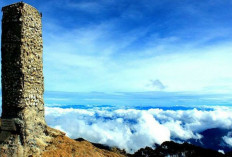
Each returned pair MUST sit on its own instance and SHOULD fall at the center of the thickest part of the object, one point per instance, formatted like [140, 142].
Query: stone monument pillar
[22, 120]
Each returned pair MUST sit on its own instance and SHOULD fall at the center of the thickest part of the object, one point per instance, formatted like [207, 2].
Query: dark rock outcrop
[172, 149]
[212, 139]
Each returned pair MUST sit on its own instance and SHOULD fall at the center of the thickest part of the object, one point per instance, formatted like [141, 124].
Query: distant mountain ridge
[166, 149]
[212, 139]
[172, 149]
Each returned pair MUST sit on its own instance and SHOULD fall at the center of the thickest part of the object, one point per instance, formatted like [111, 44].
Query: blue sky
[136, 45]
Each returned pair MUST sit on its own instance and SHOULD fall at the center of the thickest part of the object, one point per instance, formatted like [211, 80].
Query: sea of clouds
[132, 129]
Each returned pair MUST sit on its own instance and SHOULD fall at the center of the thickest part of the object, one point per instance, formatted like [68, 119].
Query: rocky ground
[56, 144]
[62, 146]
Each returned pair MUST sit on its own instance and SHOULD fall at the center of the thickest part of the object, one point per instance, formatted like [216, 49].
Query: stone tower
[22, 121]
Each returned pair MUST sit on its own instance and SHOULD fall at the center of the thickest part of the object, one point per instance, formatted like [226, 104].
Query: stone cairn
[23, 127]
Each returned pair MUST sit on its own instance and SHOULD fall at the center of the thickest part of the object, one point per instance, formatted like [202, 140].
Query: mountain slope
[62, 146]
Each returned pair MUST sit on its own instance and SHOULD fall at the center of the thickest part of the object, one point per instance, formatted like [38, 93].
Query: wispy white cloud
[121, 46]
[228, 139]
[156, 84]
[99, 68]
[104, 57]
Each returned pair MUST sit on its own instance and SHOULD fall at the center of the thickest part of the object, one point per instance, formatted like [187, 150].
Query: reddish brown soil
[62, 146]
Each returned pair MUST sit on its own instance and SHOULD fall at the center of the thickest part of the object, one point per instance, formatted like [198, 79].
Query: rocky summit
[57, 144]
[62, 146]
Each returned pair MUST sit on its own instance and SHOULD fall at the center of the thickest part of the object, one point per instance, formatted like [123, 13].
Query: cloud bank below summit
[132, 129]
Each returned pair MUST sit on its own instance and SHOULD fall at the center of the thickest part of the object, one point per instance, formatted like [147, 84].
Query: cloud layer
[228, 139]
[131, 129]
